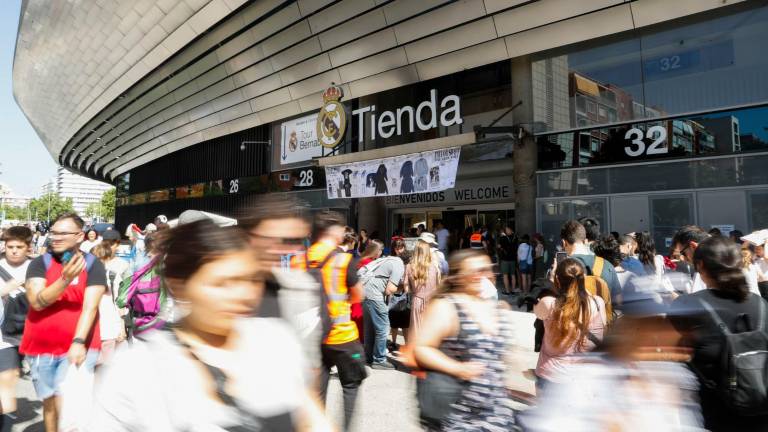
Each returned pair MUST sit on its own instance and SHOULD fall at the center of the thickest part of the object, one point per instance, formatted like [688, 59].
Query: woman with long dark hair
[574, 321]
[699, 317]
[646, 253]
[218, 367]
[466, 337]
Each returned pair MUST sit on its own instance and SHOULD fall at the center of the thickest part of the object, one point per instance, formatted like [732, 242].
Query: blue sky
[26, 164]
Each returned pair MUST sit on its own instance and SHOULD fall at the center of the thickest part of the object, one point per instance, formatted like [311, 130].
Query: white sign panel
[424, 172]
[298, 140]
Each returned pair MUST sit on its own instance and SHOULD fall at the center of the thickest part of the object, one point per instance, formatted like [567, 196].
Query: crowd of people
[209, 325]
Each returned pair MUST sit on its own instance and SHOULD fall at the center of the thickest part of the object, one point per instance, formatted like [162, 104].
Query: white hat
[429, 238]
[150, 228]
[189, 216]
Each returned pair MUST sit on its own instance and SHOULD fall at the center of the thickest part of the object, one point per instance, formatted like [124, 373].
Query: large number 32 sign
[637, 147]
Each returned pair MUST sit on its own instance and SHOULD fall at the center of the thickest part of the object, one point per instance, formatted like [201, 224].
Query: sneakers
[385, 365]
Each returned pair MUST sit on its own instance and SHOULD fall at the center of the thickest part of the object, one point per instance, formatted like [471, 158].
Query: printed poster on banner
[298, 140]
[429, 171]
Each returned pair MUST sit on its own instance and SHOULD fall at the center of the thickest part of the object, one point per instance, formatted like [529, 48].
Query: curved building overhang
[110, 86]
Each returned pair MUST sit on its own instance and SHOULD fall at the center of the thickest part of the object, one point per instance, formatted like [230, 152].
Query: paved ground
[387, 398]
[30, 410]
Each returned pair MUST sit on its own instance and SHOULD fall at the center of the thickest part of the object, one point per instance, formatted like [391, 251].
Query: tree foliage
[104, 208]
[38, 208]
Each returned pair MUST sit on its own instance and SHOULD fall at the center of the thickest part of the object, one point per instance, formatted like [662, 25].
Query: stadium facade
[644, 114]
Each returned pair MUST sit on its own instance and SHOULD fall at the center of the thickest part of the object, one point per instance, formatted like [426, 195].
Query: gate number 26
[656, 133]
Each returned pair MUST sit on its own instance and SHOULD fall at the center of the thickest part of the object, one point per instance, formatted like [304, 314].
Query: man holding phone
[64, 288]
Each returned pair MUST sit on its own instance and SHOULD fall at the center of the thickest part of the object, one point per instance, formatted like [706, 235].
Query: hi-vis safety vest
[333, 274]
[476, 241]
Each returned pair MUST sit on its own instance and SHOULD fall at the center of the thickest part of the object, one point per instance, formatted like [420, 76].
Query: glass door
[668, 214]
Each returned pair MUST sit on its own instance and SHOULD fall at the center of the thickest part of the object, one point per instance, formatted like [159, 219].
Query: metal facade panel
[602, 23]
[314, 84]
[647, 12]
[377, 42]
[493, 6]
[460, 37]
[330, 16]
[478, 55]
[400, 10]
[368, 66]
[544, 12]
[295, 54]
[384, 81]
[352, 29]
[442, 18]
[313, 66]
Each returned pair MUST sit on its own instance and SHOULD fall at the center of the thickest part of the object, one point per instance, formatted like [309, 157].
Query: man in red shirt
[64, 288]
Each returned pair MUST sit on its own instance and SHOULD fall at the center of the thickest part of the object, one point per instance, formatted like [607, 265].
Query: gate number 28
[656, 133]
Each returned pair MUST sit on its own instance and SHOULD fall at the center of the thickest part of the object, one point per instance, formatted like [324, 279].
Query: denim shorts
[48, 372]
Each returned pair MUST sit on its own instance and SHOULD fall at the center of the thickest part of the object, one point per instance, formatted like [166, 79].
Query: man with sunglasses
[64, 288]
[684, 243]
[279, 233]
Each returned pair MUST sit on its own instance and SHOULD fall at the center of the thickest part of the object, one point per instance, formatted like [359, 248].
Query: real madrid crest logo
[332, 120]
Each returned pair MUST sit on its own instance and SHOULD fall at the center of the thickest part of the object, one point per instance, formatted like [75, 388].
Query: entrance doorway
[456, 219]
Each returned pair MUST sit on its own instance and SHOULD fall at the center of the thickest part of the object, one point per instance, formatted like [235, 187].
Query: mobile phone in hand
[67, 256]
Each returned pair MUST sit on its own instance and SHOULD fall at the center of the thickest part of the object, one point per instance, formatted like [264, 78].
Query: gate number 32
[637, 148]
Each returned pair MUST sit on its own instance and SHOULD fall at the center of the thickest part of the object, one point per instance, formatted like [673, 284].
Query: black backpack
[743, 383]
[16, 308]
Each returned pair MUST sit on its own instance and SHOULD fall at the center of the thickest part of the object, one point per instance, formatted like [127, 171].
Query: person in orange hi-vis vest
[341, 344]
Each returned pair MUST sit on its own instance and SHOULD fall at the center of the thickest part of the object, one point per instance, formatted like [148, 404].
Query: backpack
[596, 285]
[744, 359]
[367, 272]
[15, 312]
[145, 296]
[326, 322]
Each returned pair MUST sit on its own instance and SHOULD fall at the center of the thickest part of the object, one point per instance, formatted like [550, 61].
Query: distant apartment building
[10, 199]
[82, 190]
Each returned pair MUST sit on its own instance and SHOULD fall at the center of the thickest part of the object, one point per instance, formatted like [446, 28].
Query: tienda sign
[427, 115]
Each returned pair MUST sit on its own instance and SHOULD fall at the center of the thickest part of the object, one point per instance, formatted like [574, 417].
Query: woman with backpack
[111, 325]
[712, 321]
[574, 321]
[462, 344]
[372, 252]
[399, 302]
[210, 370]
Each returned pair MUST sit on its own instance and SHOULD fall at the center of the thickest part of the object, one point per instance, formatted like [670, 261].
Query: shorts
[349, 359]
[48, 371]
[507, 267]
[525, 267]
[9, 358]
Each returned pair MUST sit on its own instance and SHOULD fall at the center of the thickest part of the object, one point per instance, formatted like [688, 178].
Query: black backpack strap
[715, 317]
[4, 275]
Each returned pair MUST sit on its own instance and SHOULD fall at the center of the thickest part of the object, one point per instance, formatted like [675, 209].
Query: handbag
[399, 302]
[436, 393]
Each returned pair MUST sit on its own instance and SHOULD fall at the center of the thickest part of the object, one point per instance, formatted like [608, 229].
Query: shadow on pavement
[29, 410]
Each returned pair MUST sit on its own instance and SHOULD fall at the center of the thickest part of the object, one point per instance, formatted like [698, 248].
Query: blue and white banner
[429, 171]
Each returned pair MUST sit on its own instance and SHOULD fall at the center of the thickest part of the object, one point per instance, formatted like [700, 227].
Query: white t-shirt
[442, 239]
[267, 372]
[19, 273]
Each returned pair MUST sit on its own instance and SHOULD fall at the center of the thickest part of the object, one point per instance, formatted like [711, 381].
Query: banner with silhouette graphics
[429, 171]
